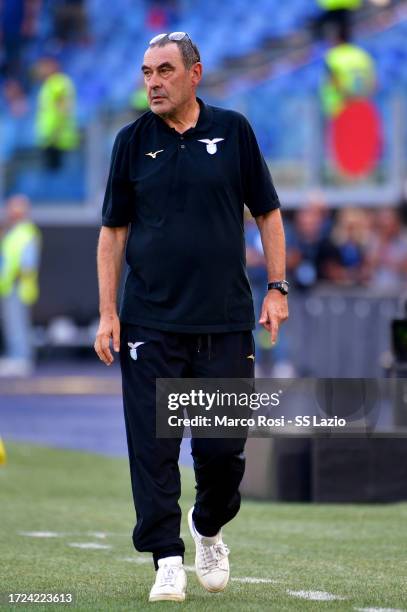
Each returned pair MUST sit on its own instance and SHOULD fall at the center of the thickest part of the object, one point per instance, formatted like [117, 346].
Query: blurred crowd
[40, 91]
[32, 75]
[352, 248]
[20, 25]
[54, 114]
[343, 250]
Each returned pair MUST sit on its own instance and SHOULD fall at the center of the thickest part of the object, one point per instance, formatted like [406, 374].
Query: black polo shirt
[184, 195]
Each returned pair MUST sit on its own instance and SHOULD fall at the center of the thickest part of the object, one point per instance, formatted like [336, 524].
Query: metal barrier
[339, 332]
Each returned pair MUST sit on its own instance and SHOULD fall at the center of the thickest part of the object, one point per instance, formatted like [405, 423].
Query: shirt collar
[204, 120]
[205, 117]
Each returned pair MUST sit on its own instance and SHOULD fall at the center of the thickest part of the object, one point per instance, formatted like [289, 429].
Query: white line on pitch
[41, 534]
[314, 595]
[191, 568]
[378, 609]
[140, 560]
[89, 545]
[62, 534]
[253, 580]
[311, 595]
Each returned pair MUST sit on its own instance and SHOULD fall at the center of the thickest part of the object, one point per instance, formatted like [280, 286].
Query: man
[350, 74]
[179, 177]
[139, 101]
[56, 125]
[387, 252]
[19, 254]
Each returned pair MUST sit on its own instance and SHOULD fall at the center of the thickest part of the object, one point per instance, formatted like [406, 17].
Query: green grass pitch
[356, 552]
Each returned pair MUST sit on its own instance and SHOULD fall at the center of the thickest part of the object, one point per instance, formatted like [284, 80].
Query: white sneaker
[170, 581]
[211, 559]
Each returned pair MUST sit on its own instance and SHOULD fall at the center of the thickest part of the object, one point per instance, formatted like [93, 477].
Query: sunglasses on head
[172, 36]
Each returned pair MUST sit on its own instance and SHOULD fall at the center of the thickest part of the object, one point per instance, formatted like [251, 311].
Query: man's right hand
[109, 327]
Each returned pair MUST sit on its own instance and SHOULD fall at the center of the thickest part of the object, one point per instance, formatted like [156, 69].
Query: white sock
[170, 561]
[208, 540]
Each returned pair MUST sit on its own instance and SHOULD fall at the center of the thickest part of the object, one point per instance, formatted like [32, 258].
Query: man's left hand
[274, 312]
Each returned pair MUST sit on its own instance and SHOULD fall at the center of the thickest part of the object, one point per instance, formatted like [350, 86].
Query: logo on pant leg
[133, 349]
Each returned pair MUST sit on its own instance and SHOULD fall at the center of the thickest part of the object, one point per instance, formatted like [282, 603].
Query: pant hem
[175, 552]
[208, 531]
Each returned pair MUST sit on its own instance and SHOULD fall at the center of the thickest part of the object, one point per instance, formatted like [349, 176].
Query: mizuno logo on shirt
[211, 144]
[154, 155]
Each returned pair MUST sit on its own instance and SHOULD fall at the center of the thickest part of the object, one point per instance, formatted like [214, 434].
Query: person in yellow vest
[56, 125]
[19, 261]
[350, 74]
[139, 101]
[3, 454]
[336, 14]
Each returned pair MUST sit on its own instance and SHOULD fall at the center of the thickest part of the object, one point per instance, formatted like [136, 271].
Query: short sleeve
[119, 195]
[260, 195]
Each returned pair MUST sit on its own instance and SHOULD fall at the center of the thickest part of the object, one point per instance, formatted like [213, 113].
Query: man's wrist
[281, 285]
[108, 314]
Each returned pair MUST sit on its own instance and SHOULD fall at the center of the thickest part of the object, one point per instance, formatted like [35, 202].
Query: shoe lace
[211, 555]
[168, 575]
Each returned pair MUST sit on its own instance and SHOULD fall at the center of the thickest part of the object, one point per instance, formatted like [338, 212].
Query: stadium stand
[260, 60]
[104, 68]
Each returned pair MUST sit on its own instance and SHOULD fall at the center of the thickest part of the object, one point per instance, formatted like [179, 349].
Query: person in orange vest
[20, 253]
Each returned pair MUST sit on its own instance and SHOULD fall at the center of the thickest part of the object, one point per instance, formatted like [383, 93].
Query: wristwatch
[281, 286]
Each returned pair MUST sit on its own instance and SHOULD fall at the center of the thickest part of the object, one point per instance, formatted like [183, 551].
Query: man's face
[308, 222]
[45, 67]
[169, 84]
[17, 208]
[387, 223]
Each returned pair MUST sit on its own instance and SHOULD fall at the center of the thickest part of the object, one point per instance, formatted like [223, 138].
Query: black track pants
[219, 463]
